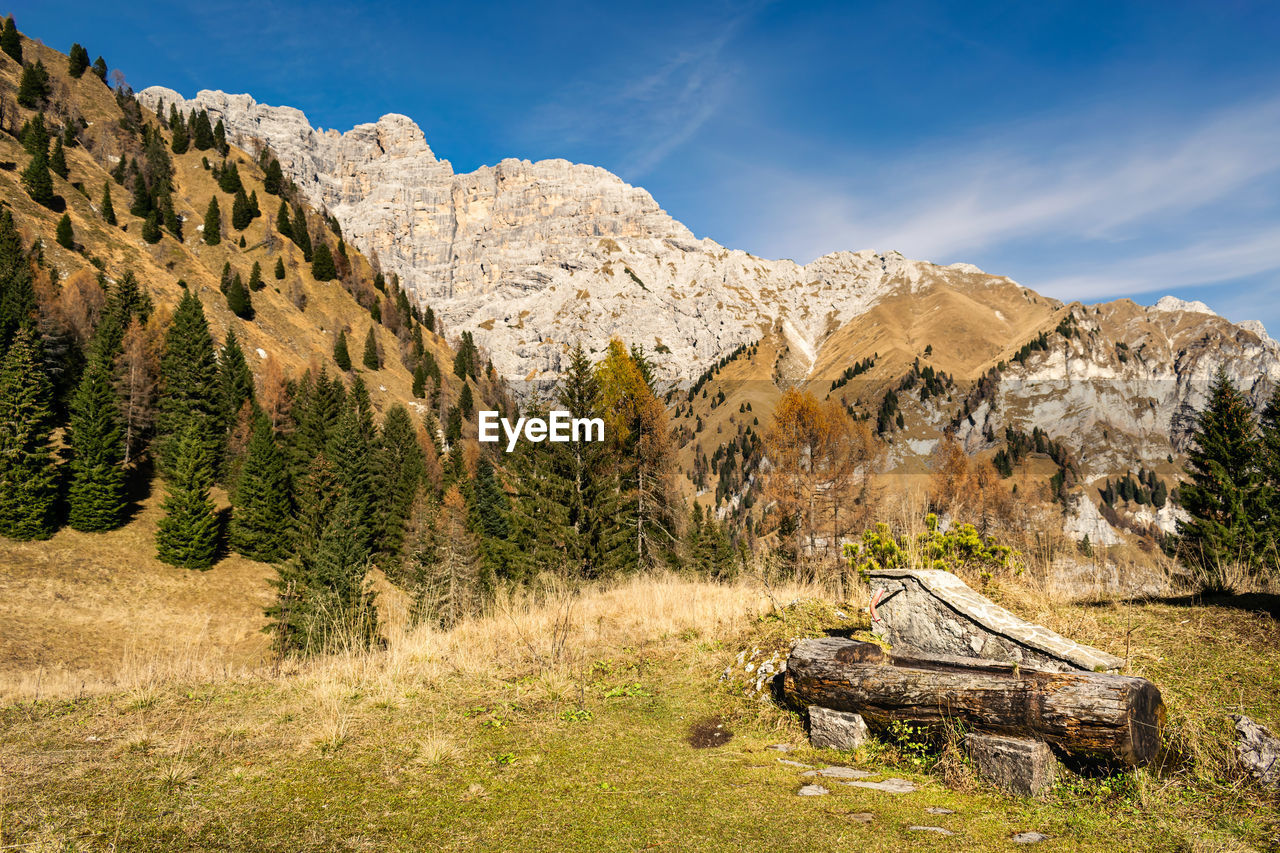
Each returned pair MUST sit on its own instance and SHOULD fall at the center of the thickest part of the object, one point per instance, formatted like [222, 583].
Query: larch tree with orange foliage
[966, 489]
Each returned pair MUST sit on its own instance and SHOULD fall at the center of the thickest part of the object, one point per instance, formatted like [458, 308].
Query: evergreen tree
[187, 536]
[35, 136]
[213, 223]
[37, 180]
[299, 233]
[169, 216]
[279, 269]
[141, 204]
[283, 225]
[466, 402]
[189, 385]
[420, 381]
[239, 300]
[579, 392]
[399, 468]
[1225, 492]
[178, 128]
[10, 42]
[341, 354]
[100, 69]
[254, 210]
[151, 228]
[322, 267]
[273, 181]
[235, 380]
[241, 213]
[58, 160]
[371, 360]
[77, 61]
[1269, 459]
[255, 278]
[66, 237]
[28, 480]
[33, 89]
[349, 450]
[229, 179]
[96, 491]
[261, 505]
[220, 141]
[201, 131]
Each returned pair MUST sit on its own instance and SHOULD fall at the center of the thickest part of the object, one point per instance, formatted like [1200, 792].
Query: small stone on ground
[813, 791]
[790, 763]
[780, 747]
[839, 773]
[938, 810]
[1029, 838]
[936, 829]
[892, 786]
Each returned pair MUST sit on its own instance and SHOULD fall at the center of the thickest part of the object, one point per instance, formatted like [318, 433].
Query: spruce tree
[169, 216]
[279, 269]
[229, 179]
[17, 282]
[341, 355]
[298, 231]
[273, 181]
[220, 140]
[96, 493]
[213, 223]
[241, 213]
[239, 300]
[189, 384]
[283, 224]
[420, 381]
[254, 210]
[100, 69]
[201, 131]
[371, 359]
[1269, 458]
[187, 536]
[58, 160]
[33, 89]
[28, 480]
[235, 380]
[10, 42]
[466, 401]
[38, 181]
[1225, 490]
[35, 136]
[255, 278]
[322, 267]
[151, 228]
[77, 61]
[178, 128]
[141, 204]
[66, 237]
[261, 505]
[399, 468]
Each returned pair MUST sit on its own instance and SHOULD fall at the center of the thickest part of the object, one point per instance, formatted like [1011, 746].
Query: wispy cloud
[1112, 207]
[648, 114]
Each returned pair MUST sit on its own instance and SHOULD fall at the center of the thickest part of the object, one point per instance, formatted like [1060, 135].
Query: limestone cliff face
[534, 256]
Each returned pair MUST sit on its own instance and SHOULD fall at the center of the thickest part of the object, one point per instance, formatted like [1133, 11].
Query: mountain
[532, 257]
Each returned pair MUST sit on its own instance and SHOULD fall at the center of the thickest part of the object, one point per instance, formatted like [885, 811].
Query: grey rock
[1259, 751]
[830, 729]
[791, 763]
[1029, 838]
[891, 786]
[839, 773]
[812, 791]
[936, 829]
[1018, 765]
[862, 817]
[938, 810]
[780, 747]
[930, 612]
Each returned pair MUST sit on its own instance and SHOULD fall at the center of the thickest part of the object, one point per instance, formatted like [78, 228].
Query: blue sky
[1087, 150]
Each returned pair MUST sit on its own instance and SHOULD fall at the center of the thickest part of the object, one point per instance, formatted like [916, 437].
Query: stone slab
[830, 729]
[1017, 765]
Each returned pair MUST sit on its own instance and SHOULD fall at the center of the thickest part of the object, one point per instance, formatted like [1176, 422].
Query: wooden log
[1086, 713]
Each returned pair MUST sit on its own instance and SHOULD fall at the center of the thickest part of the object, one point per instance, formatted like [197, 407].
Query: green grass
[596, 762]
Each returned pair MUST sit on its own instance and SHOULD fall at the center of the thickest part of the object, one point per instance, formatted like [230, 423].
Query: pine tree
[322, 267]
[100, 69]
[201, 131]
[283, 225]
[77, 61]
[273, 181]
[261, 505]
[10, 43]
[151, 228]
[66, 237]
[58, 160]
[239, 300]
[213, 223]
[255, 278]
[189, 384]
[33, 89]
[279, 269]
[178, 128]
[341, 354]
[371, 359]
[241, 213]
[28, 480]
[37, 180]
[96, 495]
[299, 233]
[187, 536]
[1225, 491]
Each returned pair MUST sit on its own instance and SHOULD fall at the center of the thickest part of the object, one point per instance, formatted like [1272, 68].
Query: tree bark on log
[1086, 713]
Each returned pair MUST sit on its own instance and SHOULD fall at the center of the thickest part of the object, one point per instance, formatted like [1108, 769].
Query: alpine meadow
[352, 501]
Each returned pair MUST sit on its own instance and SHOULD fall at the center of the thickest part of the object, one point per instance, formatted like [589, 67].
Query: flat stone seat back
[929, 612]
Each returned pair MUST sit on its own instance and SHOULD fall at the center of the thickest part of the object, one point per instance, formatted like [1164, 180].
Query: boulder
[830, 729]
[1018, 765]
